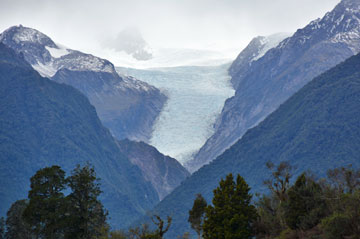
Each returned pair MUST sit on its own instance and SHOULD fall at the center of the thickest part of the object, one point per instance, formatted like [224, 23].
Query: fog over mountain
[202, 24]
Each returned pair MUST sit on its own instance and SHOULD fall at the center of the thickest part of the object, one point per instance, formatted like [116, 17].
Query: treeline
[309, 208]
[60, 207]
[48, 213]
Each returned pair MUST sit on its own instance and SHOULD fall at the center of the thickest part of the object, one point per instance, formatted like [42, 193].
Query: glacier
[196, 97]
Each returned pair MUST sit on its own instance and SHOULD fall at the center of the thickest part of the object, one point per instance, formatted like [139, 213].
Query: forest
[304, 207]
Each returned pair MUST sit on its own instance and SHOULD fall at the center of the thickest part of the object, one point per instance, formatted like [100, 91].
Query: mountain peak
[46, 56]
[21, 34]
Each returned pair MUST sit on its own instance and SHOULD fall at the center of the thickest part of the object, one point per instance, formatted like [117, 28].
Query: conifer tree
[306, 205]
[87, 217]
[196, 214]
[231, 215]
[45, 212]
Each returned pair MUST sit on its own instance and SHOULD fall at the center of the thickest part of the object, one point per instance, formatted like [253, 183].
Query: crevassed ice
[196, 97]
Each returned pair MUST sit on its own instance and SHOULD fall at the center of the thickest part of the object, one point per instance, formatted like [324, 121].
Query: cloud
[221, 24]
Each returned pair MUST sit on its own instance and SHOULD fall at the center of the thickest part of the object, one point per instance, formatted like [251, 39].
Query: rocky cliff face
[256, 49]
[164, 173]
[128, 107]
[283, 70]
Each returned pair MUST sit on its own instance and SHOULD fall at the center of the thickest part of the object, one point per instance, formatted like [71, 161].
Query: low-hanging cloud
[221, 24]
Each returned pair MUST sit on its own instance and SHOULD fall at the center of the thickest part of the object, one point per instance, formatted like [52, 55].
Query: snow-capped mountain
[46, 56]
[282, 71]
[128, 107]
[254, 51]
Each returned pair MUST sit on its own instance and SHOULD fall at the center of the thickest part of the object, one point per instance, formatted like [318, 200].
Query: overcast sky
[217, 24]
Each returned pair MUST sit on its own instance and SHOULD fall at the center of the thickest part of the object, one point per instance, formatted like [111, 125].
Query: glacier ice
[196, 97]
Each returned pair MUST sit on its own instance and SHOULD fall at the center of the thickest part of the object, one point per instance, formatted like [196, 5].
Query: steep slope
[164, 173]
[44, 123]
[282, 71]
[256, 49]
[128, 107]
[317, 128]
[196, 95]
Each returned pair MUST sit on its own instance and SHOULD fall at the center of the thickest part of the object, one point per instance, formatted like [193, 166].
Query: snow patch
[57, 52]
[47, 70]
[28, 35]
[270, 42]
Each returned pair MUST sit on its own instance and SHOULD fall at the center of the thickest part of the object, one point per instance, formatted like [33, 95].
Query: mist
[202, 24]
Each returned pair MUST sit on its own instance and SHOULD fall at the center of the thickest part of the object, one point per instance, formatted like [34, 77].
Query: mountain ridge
[315, 129]
[111, 94]
[282, 71]
[164, 173]
[43, 123]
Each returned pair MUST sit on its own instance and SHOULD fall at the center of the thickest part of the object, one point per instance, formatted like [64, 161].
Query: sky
[219, 25]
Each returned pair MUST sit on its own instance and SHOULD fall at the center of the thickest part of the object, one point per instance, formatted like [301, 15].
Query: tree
[279, 181]
[45, 212]
[196, 214]
[231, 215]
[271, 208]
[306, 205]
[160, 224]
[87, 217]
[2, 228]
[270, 222]
[345, 179]
[16, 227]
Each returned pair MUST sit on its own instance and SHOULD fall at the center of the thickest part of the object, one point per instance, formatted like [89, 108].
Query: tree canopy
[231, 215]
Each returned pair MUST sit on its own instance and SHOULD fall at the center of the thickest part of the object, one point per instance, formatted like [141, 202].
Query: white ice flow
[196, 97]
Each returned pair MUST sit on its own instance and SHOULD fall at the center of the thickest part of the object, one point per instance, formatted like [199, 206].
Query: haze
[200, 24]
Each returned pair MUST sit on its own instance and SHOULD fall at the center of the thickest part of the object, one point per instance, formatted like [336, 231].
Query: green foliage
[49, 214]
[196, 214]
[2, 228]
[336, 226]
[16, 226]
[87, 215]
[46, 210]
[345, 218]
[118, 235]
[231, 215]
[306, 205]
[44, 123]
[271, 213]
[317, 128]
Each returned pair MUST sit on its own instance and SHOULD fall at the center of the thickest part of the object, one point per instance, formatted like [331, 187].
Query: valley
[196, 95]
[161, 130]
